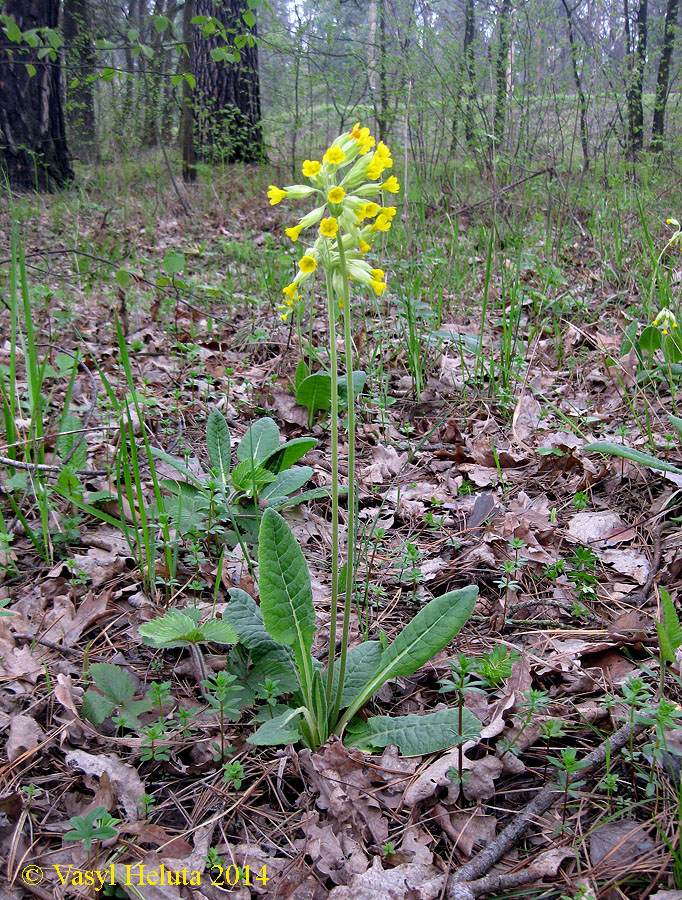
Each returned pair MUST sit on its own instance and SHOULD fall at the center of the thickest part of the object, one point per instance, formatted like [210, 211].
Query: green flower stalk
[348, 219]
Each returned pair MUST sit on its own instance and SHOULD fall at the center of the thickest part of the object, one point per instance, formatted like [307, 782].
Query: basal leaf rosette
[348, 219]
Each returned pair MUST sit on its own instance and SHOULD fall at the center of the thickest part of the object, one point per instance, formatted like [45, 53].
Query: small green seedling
[115, 691]
[97, 825]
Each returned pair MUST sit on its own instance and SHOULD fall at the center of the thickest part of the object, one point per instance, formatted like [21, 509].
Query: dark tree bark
[33, 153]
[501, 72]
[469, 62]
[464, 81]
[79, 64]
[662, 81]
[227, 94]
[189, 169]
[636, 62]
[582, 103]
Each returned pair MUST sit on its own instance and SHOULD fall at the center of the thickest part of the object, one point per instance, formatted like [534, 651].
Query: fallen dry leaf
[24, 734]
[126, 783]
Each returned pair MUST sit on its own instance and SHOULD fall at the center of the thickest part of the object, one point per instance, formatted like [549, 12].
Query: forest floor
[499, 350]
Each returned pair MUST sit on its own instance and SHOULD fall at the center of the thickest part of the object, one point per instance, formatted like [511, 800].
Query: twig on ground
[462, 884]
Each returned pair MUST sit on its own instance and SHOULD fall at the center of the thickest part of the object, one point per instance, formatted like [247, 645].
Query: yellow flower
[377, 274]
[378, 286]
[665, 331]
[311, 168]
[329, 227]
[384, 153]
[289, 290]
[307, 264]
[293, 232]
[363, 137]
[334, 155]
[364, 247]
[383, 223]
[370, 210]
[276, 195]
[336, 195]
[391, 185]
[389, 211]
[375, 168]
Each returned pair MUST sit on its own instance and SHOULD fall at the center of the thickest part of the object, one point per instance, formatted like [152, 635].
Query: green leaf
[287, 482]
[650, 339]
[260, 440]
[315, 392]
[431, 629]
[270, 659]
[250, 477]
[283, 729]
[249, 18]
[176, 629]
[173, 262]
[670, 630]
[646, 459]
[671, 347]
[302, 372]
[676, 423]
[359, 382]
[287, 454]
[362, 663]
[124, 278]
[218, 444]
[113, 682]
[218, 631]
[96, 708]
[191, 80]
[31, 69]
[416, 735]
[286, 597]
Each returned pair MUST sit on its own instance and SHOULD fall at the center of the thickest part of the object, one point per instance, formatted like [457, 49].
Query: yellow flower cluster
[345, 181]
[665, 320]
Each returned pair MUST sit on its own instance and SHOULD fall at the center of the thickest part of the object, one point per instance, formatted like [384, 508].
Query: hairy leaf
[113, 682]
[286, 597]
[415, 735]
[218, 444]
[430, 630]
[283, 729]
[260, 440]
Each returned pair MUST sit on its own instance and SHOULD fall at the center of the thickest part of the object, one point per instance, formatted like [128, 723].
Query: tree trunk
[79, 65]
[638, 81]
[469, 62]
[658, 126]
[635, 63]
[227, 94]
[501, 64]
[582, 103]
[33, 154]
[189, 169]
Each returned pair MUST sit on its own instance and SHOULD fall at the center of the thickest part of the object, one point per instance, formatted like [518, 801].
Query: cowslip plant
[325, 702]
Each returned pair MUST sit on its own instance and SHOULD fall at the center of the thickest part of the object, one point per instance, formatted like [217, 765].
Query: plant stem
[334, 415]
[350, 543]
